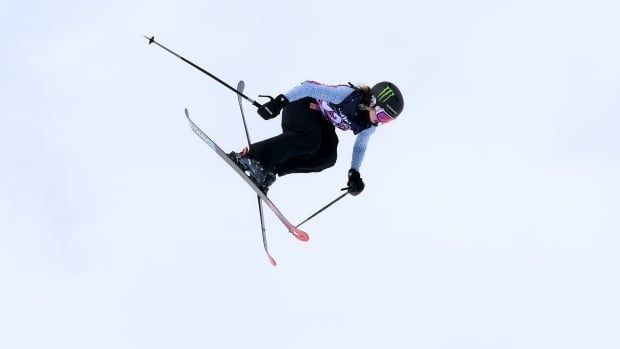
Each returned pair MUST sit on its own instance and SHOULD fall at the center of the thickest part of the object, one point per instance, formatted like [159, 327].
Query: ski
[240, 88]
[296, 232]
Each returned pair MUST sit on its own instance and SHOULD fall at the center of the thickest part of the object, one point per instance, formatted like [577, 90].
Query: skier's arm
[332, 94]
[355, 184]
[359, 148]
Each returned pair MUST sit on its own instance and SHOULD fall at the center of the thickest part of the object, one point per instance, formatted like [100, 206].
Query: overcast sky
[489, 219]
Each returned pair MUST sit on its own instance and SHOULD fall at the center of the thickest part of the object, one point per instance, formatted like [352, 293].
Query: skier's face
[382, 115]
[377, 114]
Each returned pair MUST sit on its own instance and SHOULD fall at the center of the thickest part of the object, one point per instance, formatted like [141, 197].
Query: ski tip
[300, 234]
[186, 112]
[271, 260]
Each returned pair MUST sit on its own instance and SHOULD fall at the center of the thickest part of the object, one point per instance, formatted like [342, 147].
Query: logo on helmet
[391, 110]
[386, 94]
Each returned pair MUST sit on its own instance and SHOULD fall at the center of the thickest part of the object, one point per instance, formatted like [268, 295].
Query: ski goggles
[382, 115]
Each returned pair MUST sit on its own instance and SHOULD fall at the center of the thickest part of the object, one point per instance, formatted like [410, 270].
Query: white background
[490, 217]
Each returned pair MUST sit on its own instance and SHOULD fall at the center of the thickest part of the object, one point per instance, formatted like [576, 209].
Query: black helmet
[388, 97]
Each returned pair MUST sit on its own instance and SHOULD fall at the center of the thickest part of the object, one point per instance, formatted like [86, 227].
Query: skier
[308, 143]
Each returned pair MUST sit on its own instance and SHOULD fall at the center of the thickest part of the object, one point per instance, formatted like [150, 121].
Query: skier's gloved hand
[272, 108]
[355, 184]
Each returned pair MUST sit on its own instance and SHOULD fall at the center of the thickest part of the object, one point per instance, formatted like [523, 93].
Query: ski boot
[254, 169]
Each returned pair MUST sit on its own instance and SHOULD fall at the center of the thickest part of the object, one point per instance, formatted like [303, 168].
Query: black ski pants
[308, 142]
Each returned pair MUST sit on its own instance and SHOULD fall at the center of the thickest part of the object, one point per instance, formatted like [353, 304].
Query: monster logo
[386, 94]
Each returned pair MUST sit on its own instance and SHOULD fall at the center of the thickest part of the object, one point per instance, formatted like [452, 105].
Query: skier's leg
[301, 136]
[323, 158]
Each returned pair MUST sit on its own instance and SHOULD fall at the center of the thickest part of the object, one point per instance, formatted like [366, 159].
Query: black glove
[272, 108]
[355, 184]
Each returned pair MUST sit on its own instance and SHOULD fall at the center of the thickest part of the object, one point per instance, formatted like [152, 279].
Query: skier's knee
[330, 161]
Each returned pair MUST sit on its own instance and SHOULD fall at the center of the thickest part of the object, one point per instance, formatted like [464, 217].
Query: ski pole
[323, 209]
[152, 41]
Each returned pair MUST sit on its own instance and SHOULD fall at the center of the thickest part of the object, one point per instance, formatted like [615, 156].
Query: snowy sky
[490, 217]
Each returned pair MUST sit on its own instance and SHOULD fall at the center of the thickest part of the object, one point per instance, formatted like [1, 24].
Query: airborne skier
[308, 142]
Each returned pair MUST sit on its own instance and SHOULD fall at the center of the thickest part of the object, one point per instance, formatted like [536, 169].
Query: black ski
[240, 88]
